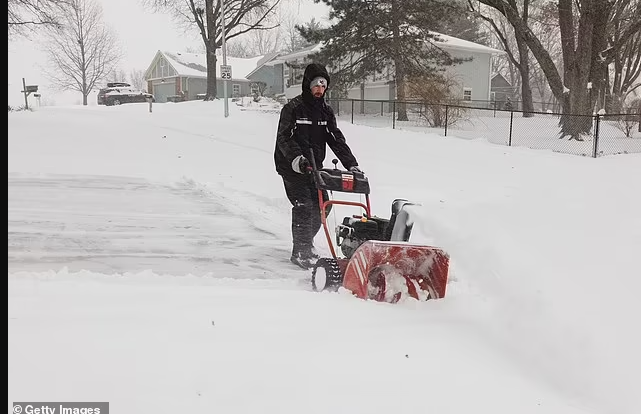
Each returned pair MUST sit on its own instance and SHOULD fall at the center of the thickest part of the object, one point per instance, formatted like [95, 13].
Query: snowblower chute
[378, 262]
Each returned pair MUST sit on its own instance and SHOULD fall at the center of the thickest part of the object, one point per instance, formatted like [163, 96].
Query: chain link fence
[608, 134]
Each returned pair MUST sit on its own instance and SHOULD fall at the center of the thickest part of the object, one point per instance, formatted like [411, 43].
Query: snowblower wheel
[326, 275]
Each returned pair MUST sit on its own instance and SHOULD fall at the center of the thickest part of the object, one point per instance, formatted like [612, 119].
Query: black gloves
[356, 169]
[301, 165]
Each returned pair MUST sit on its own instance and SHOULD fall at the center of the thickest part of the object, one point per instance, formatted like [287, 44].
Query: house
[500, 88]
[292, 66]
[472, 75]
[183, 76]
[269, 74]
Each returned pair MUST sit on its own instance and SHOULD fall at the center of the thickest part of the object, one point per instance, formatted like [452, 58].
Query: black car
[117, 93]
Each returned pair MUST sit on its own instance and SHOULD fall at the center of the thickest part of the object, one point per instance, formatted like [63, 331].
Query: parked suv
[117, 93]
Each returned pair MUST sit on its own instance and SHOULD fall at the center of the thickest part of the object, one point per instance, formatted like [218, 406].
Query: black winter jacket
[309, 123]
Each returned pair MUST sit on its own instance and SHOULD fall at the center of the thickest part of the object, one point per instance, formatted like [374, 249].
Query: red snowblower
[379, 262]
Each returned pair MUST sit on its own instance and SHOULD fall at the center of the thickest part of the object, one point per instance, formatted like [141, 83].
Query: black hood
[312, 71]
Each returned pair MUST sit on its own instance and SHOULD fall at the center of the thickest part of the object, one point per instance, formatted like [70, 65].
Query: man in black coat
[308, 123]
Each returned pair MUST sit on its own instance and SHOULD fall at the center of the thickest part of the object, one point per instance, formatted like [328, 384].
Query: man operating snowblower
[308, 124]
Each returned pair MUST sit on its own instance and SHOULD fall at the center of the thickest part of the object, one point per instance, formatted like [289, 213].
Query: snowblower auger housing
[378, 262]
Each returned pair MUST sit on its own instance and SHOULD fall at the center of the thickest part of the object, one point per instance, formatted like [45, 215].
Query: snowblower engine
[355, 230]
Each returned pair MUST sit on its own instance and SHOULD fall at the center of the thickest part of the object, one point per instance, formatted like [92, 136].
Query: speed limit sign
[225, 72]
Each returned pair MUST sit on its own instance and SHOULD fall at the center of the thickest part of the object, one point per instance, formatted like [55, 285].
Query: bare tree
[587, 52]
[289, 32]
[520, 62]
[26, 15]
[241, 16]
[262, 42]
[83, 51]
[237, 48]
[117, 75]
[137, 79]
[254, 43]
[291, 38]
[626, 61]
[545, 25]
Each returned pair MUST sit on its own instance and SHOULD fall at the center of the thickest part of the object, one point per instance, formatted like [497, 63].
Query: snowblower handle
[314, 169]
[313, 160]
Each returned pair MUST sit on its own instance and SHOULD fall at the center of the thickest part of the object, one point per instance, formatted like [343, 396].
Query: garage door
[163, 90]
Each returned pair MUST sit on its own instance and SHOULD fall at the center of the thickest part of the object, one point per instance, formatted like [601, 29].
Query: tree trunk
[527, 106]
[577, 61]
[401, 107]
[212, 89]
[210, 50]
[399, 67]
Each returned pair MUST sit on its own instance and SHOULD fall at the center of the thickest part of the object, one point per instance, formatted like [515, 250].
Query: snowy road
[123, 224]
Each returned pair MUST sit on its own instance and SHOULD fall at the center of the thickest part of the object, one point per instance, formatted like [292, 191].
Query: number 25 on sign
[225, 72]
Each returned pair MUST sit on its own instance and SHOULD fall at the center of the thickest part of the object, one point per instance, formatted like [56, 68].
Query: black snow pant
[306, 219]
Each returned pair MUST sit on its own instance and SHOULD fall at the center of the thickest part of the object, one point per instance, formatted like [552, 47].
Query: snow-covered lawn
[148, 267]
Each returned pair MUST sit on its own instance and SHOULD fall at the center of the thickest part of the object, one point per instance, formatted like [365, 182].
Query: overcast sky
[140, 32]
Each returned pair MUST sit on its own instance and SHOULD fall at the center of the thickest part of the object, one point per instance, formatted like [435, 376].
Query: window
[235, 89]
[467, 94]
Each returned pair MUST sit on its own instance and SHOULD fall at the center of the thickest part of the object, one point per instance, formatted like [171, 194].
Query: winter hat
[318, 81]
[312, 72]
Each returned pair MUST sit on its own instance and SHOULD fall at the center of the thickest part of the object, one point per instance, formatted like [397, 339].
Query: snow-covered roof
[266, 60]
[454, 43]
[441, 40]
[297, 54]
[195, 64]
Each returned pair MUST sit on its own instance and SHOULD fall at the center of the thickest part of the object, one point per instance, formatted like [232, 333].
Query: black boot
[304, 257]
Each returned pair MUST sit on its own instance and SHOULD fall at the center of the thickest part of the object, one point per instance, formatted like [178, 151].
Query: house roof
[195, 64]
[451, 42]
[266, 60]
[297, 54]
[441, 40]
[496, 75]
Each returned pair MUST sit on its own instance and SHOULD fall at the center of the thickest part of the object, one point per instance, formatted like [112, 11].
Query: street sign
[225, 72]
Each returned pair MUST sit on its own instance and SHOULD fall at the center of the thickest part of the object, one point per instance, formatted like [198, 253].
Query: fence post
[352, 111]
[595, 150]
[382, 103]
[509, 141]
[446, 114]
[394, 115]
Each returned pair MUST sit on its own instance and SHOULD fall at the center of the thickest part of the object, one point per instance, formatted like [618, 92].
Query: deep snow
[147, 259]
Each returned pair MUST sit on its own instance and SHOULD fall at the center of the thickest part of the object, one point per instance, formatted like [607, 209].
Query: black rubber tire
[328, 268]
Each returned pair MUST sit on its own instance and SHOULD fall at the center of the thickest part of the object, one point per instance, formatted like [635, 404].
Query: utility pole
[222, 18]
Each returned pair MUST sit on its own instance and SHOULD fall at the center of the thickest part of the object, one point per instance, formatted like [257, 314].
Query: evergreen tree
[464, 26]
[368, 37]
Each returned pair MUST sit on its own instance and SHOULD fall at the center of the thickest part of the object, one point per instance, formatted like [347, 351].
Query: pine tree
[369, 37]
